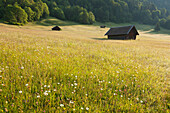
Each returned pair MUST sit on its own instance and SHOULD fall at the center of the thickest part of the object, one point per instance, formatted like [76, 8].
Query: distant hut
[122, 33]
[102, 26]
[57, 28]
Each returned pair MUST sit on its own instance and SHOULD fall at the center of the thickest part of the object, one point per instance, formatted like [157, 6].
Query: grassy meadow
[79, 70]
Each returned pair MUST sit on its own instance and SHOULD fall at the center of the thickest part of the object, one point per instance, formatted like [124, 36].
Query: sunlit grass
[71, 70]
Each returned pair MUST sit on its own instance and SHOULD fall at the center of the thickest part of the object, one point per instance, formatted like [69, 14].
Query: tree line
[86, 11]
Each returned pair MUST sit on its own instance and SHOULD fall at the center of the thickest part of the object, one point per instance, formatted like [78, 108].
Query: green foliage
[21, 11]
[30, 14]
[167, 23]
[14, 14]
[157, 27]
[45, 11]
[91, 18]
[58, 13]
[84, 17]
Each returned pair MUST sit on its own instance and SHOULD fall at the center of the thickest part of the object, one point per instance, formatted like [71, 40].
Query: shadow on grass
[53, 21]
[100, 38]
[164, 31]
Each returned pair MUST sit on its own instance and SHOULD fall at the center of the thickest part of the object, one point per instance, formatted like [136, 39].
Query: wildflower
[45, 93]
[55, 90]
[109, 82]
[101, 88]
[114, 94]
[0, 90]
[87, 108]
[26, 84]
[62, 105]
[48, 86]
[58, 83]
[120, 90]
[121, 95]
[22, 67]
[6, 110]
[38, 96]
[49, 91]
[137, 99]
[45, 85]
[72, 85]
[86, 94]
[141, 101]
[82, 108]
[75, 84]
[74, 109]
[71, 102]
[76, 76]
[20, 91]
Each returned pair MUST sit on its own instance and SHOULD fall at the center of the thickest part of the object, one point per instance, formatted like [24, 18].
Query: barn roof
[123, 30]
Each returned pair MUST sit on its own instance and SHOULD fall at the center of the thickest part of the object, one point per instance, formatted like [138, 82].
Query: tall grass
[44, 71]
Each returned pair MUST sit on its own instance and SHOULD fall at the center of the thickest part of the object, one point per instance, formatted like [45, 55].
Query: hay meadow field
[79, 70]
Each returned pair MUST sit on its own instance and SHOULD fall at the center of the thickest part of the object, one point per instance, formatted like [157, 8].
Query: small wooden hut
[57, 28]
[102, 26]
[122, 33]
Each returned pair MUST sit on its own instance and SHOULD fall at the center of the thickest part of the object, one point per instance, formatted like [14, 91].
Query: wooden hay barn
[102, 26]
[57, 28]
[122, 33]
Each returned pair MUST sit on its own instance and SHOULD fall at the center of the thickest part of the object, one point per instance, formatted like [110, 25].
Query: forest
[151, 12]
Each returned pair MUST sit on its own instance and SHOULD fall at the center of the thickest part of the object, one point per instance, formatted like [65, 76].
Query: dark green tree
[91, 18]
[15, 15]
[157, 27]
[58, 13]
[84, 17]
[30, 14]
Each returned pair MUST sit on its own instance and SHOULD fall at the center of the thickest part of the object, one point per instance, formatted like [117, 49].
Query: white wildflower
[26, 84]
[137, 99]
[141, 101]
[22, 67]
[45, 93]
[75, 84]
[82, 108]
[55, 90]
[45, 85]
[20, 91]
[38, 96]
[87, 108]
[62, 105]
[71, 102]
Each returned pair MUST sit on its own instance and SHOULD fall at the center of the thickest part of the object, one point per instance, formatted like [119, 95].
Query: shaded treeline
[88, 11]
